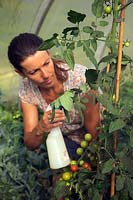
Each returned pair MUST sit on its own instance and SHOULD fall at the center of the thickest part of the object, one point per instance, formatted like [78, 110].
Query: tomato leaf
[87, 29]
[67, 100]
[120, 182]
[73, 31]
[97, 8]
[94, 44]
[103, 23]
[69, 58]
[108, 58]
[108, 166]
[97, 34]
[96, 195]
[83, 88]
[67, 115]
[89, 52]
[116, 125]
[91, 76]
[130, 187]
[60, 189]
[49, 43]
[79, 107]
[75, 17]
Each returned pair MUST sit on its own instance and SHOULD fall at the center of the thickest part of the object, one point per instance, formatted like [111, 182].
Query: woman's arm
[31, 126]
[34, 129]
[92, 114]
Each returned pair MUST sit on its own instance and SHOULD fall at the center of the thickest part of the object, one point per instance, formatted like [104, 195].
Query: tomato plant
[116, 113]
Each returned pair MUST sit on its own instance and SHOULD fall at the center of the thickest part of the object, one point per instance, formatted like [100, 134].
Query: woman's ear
[20, 73]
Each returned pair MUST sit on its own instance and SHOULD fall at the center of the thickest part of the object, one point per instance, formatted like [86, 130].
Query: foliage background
[25, 174]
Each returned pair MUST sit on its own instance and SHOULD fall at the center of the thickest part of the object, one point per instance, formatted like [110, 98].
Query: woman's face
[39, 68]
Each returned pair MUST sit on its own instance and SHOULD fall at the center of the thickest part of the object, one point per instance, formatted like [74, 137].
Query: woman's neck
[52, 93]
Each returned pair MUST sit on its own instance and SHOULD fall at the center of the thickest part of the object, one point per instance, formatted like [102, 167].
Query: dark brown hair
[26, 44]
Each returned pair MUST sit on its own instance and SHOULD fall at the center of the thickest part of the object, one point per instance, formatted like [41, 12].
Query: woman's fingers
[47, 121]
[58, 117]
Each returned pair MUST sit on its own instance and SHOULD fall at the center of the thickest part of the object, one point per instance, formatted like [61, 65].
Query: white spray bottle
[57, 151]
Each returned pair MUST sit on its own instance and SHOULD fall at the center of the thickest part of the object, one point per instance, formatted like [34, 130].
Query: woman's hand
[46, 123]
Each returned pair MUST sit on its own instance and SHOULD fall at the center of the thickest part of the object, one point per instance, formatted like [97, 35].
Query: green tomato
[79, 151]
[126, 44]
[67, 183]
[84, 144]
[88, 137]
[73, 162]
[92, 158]
[81, 162]
[113, 98]
[95, 146]
[66, 198]
[89, 155]
[108, 9]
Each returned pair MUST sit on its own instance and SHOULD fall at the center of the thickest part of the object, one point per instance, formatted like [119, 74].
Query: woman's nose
[44, 73]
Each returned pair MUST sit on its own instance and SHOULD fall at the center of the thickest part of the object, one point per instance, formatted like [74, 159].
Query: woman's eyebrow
[37, 68]
[46, 61]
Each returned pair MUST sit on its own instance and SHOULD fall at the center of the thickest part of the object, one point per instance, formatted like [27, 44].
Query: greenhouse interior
[91, 108]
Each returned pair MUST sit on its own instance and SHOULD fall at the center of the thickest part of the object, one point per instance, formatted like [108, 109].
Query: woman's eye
[46, 63]
[32, 72]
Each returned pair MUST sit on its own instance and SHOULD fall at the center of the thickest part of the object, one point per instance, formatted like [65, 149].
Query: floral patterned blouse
[30, 93]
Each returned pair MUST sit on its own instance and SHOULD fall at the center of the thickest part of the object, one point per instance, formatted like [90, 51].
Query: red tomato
[73, 168]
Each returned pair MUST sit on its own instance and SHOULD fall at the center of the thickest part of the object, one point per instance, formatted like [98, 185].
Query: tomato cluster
[77, 165]
[84, 144]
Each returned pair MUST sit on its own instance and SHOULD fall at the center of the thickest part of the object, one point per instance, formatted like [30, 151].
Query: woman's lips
[47, 82]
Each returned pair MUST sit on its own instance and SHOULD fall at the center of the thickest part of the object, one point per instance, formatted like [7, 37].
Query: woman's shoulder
[80, 68]
[27, 91]
[76, 77]
[25, 85]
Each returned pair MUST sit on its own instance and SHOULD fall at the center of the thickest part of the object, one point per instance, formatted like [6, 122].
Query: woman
[44, 79]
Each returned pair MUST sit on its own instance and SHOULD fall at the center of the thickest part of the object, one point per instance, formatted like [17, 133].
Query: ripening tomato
[87, 165]
[66, 176]
[62, 198]
[74, 168]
